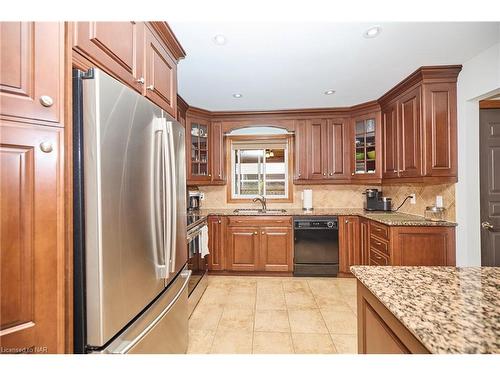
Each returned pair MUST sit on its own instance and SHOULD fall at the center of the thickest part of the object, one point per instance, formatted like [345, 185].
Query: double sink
[259, 211]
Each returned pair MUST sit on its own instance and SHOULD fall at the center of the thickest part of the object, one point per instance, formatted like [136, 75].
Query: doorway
[489, 156]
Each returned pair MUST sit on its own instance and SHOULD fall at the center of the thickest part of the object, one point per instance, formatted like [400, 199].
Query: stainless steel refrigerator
[130, 285]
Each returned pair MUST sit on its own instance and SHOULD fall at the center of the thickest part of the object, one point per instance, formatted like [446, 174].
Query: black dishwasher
[316, 246]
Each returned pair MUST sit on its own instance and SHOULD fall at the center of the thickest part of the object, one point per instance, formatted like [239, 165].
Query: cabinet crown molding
[424, 74]
[168, 37]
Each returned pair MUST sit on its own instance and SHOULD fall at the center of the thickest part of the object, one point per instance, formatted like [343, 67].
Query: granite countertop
[448, 309]
[387, 218]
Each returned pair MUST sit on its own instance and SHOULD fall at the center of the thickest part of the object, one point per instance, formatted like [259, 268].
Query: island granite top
[448, 309]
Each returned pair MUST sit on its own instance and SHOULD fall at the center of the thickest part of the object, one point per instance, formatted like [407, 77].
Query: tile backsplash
[342, 196]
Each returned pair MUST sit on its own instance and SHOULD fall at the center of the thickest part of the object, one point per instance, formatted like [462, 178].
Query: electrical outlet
[413, 199]
[202, 196]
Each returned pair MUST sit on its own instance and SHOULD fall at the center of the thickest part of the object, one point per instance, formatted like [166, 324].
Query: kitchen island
[439, 310]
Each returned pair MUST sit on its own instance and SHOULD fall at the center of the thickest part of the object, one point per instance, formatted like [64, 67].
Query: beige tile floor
[273, 315]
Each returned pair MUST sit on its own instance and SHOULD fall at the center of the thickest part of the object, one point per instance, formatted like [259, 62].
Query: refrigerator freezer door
[125, 267]
[162, 328]
[179, 210]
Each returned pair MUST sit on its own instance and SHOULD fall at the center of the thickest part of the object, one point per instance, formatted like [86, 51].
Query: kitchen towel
[204, 241]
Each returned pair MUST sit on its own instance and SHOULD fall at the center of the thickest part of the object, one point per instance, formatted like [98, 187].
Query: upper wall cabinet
[365, 138]
[142, 55]
[160, 75]
[118, 47]
[32, 71]
[204, 151]
[419, 126]
[327, 148]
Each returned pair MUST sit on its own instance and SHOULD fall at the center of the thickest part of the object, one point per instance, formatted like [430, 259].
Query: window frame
[287, 140]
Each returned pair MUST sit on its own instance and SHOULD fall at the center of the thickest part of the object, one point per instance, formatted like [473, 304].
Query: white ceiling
[286, 65]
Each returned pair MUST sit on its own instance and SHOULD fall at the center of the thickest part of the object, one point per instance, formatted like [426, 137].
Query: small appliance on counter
[376, 202]
[194, 200]
[307, 200]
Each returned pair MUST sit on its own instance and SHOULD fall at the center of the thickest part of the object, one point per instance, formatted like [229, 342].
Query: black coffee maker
[376, 202]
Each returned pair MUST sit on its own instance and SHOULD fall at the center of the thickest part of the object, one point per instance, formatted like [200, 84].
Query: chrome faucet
[262, 200]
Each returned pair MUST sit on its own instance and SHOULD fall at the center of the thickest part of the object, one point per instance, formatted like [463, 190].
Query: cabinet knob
[219, 174]
[324, 173]
[352, 174]
[140, 80]
[218, 221]
[209, 175]
[151, 87]
[255, 233]
[263, 232]
[300, 175]
[331, 174]
[46, 101]
[347, 221]
[46, 146]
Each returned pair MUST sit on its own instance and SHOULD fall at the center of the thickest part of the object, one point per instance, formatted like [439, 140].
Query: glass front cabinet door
[366, 147]
[198, 151]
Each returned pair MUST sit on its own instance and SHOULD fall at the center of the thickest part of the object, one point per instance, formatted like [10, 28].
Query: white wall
[480, 78]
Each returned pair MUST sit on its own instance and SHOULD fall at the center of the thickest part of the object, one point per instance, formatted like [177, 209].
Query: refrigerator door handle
[167, 193]
[158, 210]
[173, 197]
[128, 345]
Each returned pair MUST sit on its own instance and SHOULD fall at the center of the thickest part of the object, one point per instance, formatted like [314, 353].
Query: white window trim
[235, 195]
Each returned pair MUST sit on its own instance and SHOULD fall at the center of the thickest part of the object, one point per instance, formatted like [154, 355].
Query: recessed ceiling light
[237, 96]
[372, 32]
[220, 40]
[329, 92]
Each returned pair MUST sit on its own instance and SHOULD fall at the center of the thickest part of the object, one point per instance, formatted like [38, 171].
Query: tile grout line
[217, 327]
[323, 318]
[288, 317]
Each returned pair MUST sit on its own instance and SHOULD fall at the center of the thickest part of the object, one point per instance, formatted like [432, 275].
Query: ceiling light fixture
[329, 92]
[220, 39]
[372, 32]
[237, 96]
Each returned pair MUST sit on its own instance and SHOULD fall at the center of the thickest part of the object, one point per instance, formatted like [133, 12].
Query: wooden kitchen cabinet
[142, 55]
[390, 141]
[216, 258]
[300, 152]
[198, 152]
[205, 152]
[32, 72]
[349, 244]
[337, 150]
[366, 147]
[32, 238]
[160, 74]
[242, 248]
[328, 150]
[419, 127]
[276, 249]
[440, 129]
[423, 246]
[117, 46]
[217, 153]
[259, 243]
[364, 241]
[409, 151]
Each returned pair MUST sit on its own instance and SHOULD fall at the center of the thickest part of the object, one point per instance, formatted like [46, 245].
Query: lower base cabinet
[251, 244]
[366, 242]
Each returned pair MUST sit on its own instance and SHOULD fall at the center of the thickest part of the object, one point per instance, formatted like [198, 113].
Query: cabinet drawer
[380, 245]
[378, 259]
[379, 230]
[269, 221]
